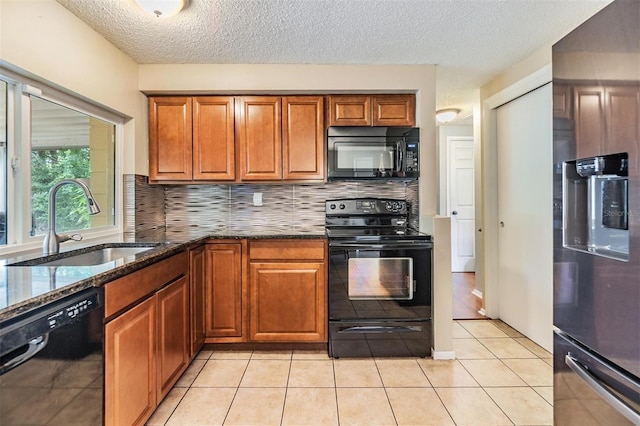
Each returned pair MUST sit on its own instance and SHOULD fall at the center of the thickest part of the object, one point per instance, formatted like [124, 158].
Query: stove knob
[342, 206]
[389, 206]
[332, 206]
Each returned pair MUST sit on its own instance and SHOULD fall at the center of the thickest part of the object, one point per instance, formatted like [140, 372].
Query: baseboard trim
[443, 354]
[477, 293]
[482, 312]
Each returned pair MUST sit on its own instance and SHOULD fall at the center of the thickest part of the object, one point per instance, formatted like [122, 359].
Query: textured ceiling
[469, 40]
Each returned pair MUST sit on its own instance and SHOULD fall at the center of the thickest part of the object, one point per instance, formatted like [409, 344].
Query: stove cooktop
[376, 234]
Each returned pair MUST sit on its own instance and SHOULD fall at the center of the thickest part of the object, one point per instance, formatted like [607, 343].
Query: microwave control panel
[412, 157]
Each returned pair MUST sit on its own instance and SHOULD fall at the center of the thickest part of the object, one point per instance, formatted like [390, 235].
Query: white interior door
[525, 233]
[461, 203]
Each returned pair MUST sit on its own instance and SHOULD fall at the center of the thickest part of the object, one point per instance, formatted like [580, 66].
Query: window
[46, 136]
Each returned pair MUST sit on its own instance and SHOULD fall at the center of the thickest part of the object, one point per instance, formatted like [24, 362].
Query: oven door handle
[405, 244]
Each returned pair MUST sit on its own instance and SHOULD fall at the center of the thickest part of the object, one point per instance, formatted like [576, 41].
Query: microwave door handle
[399, 157]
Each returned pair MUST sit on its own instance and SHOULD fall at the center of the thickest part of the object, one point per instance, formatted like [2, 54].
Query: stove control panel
[365, 206]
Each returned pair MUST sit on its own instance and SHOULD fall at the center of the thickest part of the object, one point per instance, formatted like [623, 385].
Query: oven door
[390, 281]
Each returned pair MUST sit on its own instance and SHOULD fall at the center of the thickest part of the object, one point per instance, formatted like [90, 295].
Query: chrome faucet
[51, 244]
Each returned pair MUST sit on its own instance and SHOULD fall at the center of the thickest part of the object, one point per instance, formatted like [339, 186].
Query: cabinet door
[130, 370]
[197, 295]
[173, 334]
[287, 301]
[170, 150]
[348, 110]
[214, 155]
[223, 290]
[562, 101]
[394, 110]
[589, 117]
[260, 138]
[623, 123]
[303, 137]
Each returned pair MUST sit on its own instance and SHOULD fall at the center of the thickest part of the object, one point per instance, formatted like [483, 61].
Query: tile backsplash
[229, 207]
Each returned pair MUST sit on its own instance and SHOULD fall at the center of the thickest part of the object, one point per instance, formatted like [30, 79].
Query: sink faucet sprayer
[51, 244]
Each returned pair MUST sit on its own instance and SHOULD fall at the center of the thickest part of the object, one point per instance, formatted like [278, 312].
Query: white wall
[45, 39]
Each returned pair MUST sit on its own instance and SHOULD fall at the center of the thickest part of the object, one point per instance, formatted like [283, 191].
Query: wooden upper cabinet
[259, 138]
[170, 149]
[213, 138]
[303, 137]
[394, 110]
[349, 110]
[372, 110]
[589, 116]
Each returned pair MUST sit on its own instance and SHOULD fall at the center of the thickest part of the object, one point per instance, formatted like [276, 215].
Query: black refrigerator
[596, 204]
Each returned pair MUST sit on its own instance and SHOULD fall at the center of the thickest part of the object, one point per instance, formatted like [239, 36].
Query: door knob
[502, 224]
[454, 212]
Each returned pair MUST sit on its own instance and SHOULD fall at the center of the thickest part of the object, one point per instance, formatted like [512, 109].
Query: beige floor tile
[310, 355]
[266, 373]
[166, 408]
[491, 372]
[459, 332]
[535, 372]
[506, 328]
[482, 328]
[364, 406]
[191, 373]
[472, 406]
[445, 373]
[401, 373]
[310, 373]
[534, 347]
[506, 348]
[356, 373]
[221, 373]
[522, 405]
[257, 406]
[231, 355]
[418, 406]
[204, 354]
[546, 392]
[471, 349]
[271, 355]
[310, 406]
[202, 406]
[548, 361]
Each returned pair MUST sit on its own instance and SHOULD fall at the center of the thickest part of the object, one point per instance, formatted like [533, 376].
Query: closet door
[525, 244]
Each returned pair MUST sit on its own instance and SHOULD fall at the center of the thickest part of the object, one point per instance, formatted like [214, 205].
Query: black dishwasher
[51, 363]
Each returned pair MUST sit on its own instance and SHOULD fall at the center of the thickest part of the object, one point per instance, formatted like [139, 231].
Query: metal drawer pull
[593, 382]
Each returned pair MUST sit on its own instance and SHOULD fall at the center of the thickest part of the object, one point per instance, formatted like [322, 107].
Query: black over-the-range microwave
[370, 153]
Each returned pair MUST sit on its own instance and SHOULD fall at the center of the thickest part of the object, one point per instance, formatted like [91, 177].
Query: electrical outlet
[257, 199]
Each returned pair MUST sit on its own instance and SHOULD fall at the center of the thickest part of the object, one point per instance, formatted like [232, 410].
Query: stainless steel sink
[99, 255]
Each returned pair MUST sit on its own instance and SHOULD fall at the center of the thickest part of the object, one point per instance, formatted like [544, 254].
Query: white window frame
[20, 88]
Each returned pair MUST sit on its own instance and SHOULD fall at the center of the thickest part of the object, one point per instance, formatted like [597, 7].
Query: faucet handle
[66, 237]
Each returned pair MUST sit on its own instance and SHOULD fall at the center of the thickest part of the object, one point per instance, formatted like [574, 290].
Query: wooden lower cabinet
[197, 279]
[287, 291]
[287, 301]
[173, 334]
[130, 369]
[146, 339]
[223, 293]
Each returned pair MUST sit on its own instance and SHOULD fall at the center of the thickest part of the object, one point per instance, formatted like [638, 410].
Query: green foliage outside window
[49, 166]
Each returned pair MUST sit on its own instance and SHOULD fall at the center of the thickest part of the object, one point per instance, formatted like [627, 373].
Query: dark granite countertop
[23, 288]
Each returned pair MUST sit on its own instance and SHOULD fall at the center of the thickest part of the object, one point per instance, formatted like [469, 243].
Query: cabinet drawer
[130, 288]
[287, 250]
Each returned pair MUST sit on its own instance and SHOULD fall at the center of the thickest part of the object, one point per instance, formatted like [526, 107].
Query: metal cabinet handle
[601, 390]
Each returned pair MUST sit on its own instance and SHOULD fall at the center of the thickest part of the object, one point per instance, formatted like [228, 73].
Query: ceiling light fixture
[162, 8]
[446, 115]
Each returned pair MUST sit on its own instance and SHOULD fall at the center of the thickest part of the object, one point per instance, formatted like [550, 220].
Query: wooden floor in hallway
[465, 304]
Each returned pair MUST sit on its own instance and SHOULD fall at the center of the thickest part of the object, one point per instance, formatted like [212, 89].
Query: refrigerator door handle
[601, 390]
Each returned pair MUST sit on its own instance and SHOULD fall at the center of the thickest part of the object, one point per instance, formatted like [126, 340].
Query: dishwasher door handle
[33, 347]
